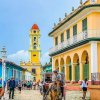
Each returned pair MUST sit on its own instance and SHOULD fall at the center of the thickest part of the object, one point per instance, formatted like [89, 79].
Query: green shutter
[77, 73]
[86, 71]
[84, 24]
[70, 73]
[56, 41]
[62, 37]
[68, 33]
[74, 30]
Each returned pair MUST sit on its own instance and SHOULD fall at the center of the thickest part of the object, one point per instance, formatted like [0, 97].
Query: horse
[55, 91]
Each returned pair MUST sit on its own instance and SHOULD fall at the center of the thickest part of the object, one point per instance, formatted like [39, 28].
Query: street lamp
[3, 53]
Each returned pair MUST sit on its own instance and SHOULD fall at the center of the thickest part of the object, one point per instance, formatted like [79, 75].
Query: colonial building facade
[12, 70]
[34, 65]
[76, 39]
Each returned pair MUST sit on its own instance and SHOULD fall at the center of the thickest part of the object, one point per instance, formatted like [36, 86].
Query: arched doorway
[56, 65]
[85, 61]
[69, 68]
[62, 69]
[76, 65]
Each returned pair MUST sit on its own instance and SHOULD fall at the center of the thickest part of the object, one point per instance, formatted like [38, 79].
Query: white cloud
[45, 58]
[23, 55]
[18, 56]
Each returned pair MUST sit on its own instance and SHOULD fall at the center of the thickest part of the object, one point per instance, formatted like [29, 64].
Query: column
[65, 73]
[73, 72]
[60, 69]
[81, 71]
[94, 57]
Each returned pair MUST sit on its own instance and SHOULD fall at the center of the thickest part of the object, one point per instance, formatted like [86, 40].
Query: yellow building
[34, 64]
[76, 48]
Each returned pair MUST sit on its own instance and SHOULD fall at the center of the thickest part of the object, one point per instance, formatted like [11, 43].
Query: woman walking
[84, 87]
[19, 86]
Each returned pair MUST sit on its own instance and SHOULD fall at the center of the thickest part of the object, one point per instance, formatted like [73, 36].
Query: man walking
[11, 87]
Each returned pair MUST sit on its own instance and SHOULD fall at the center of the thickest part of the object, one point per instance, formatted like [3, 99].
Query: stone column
[93, 62]
[67, 72]
[60, 69]
[73, 72]
[94, 57]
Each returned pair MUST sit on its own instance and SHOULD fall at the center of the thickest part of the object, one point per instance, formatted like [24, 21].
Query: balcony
[75, 39]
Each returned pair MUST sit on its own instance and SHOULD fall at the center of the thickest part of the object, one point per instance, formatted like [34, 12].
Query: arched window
[35, 46]
[34, 38]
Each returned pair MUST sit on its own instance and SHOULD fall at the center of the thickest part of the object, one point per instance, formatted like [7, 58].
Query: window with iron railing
[68, 34]
[56, 41]
[75, 30]
[84, 24]
[62, 37]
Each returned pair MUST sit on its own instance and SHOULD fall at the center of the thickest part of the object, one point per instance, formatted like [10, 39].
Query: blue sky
[17, 17]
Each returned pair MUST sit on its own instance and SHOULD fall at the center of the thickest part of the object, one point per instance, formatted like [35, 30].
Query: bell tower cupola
[34, 49]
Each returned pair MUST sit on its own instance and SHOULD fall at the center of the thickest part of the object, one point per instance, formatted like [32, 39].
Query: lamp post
[3, 53]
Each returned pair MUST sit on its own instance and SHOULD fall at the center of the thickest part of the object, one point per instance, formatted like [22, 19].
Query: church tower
[34, 50]
[34, 64]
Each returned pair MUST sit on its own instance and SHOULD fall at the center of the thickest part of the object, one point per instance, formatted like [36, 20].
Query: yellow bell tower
[34, 49]
[34, 64]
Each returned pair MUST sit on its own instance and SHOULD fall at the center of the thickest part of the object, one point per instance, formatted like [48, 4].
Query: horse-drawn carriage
[49, 90]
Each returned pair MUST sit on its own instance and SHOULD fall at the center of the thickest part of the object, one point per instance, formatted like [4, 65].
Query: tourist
[41, 87]
[38, 84]
[22, 84]
[25, 84]
[8, 84]
[34, 85]
[11, 87]
[19, 86]
[84, 87]
[28, 85]
[31, 84]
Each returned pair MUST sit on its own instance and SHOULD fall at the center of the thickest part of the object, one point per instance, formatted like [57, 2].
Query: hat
[55, 71]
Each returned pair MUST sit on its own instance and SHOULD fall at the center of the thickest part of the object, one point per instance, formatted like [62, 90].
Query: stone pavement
[35, 95]
[76, 95]
[26, 95]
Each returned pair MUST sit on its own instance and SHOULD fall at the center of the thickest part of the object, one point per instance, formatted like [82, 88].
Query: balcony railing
[75, 39]
[95, 76]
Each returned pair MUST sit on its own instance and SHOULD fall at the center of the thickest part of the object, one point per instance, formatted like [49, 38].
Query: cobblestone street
[76, 95]
[26, 95]
[35, 95]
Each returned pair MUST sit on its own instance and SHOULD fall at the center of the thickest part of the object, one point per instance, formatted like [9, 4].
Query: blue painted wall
[12, 70]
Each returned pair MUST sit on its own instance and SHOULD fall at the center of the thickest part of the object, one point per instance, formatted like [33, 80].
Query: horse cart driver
[56, 85]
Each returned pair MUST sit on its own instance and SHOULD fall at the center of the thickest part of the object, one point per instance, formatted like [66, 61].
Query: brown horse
[55, 91]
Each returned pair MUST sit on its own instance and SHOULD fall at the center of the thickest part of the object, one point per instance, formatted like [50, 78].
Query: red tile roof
[35, 26]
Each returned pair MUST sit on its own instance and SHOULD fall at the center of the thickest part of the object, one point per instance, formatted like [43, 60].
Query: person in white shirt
[84, 87]
[56, 76]
[34, 85]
